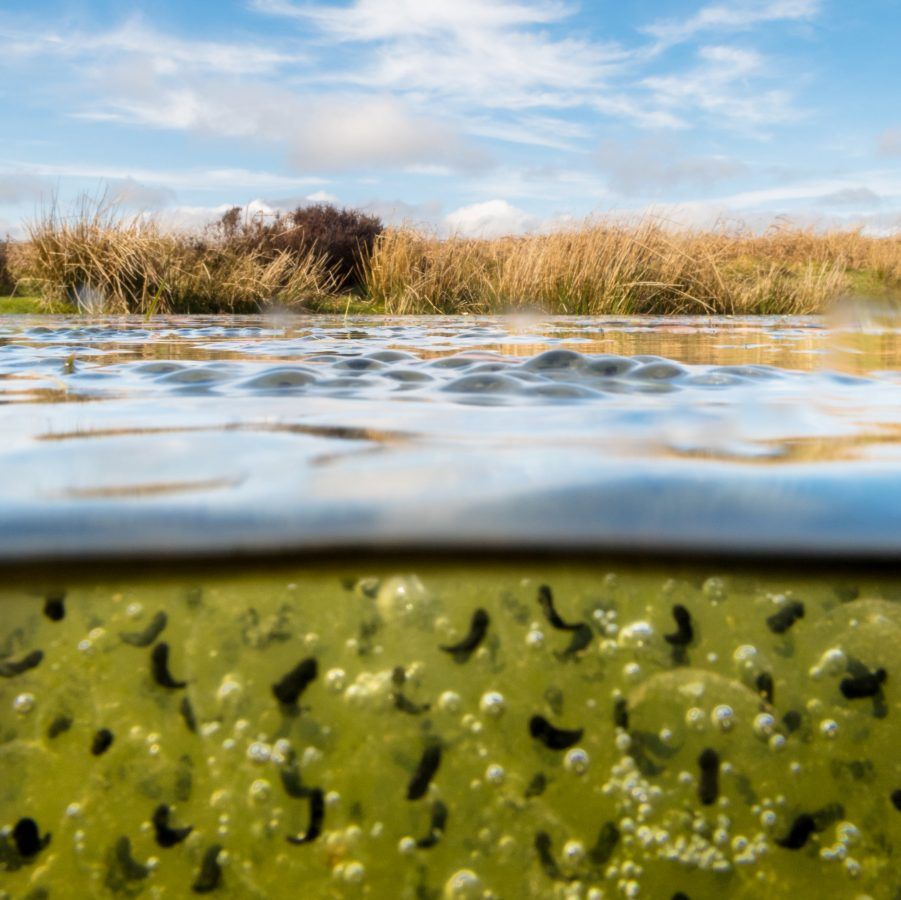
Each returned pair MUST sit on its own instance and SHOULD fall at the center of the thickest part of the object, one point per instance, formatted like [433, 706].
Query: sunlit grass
[633, 268]
[99, 260]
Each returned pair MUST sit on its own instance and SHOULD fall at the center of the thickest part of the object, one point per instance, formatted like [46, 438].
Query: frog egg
[744, 656]
[632, 671]
[260, 790]
[24, 703]
[829, 728]
[577, 761]
[259, 752]
[636, 634]
[449, 701]
[833, 661]
[492, 704]
[695, 718]
[714, 588]
[573, 852]
[535, 639]
[723, 717]
[495, 774]
[777, 742]
[354, 872]
[406, 845]
[335, 680]
[463, 885]
[763, 725]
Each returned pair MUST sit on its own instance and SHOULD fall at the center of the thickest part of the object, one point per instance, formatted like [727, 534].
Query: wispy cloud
[889, 143]
[142, 44]
[738, 15]
[652, 167]
[724, 85]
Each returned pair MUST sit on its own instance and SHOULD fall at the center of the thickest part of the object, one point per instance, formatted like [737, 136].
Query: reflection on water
[247, 434]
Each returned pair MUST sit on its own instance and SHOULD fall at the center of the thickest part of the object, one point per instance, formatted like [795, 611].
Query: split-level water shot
[450, 450]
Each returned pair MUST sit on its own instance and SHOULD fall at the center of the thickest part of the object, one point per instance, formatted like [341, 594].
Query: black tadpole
[478, 628]
[708, 785]
[159, 664]
[102, 741]
[537, 785]
[859, 687]
[9, 668]
[621, 713]
[146, 637]
[425, 771]
[896, 799]
[765, 687]
[684, 633]
[553, 738]
[27, 838]
[55, 607]
[437, 826]
[582, 635]
[546, 602]
[802, 828]
[608, 838]
[210, 876]
[291, 780]
[546, 856]
[779, 622]
[187, 713]
[317, 816]
[405, 704]
[288, 690]
[166, 835]
[126, 866]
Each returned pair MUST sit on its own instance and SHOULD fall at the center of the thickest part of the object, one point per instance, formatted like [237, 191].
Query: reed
[634, 268]
[100, 260]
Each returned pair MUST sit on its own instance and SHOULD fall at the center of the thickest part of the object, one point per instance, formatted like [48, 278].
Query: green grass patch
[19, 306]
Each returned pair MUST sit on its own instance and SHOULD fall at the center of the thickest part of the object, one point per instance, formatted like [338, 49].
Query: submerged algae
[725, 758]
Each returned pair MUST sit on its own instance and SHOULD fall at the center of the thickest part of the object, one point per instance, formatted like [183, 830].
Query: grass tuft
[324, 259]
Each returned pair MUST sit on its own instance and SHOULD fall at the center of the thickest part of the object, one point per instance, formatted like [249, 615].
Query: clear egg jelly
[439, 731]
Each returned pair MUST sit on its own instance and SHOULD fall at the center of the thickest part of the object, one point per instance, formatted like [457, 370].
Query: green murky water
[627, 732]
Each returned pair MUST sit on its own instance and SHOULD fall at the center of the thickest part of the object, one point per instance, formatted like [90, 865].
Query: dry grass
[621, 269]
[130, 265]
[100, 260]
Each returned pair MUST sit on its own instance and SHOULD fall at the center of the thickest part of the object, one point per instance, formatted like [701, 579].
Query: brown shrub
[7, 282]
[343, 238]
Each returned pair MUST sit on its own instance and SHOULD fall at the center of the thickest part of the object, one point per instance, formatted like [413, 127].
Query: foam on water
[198, 435]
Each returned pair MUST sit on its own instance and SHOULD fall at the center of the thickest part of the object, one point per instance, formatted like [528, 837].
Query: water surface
[201, 435]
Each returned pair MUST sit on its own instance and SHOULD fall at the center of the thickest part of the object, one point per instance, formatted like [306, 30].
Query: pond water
[683, 696]
[190, 436]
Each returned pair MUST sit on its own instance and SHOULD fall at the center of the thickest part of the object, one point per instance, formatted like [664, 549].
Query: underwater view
[450, 608]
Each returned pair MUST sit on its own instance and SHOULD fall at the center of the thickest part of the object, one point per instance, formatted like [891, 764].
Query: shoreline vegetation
[322, 259]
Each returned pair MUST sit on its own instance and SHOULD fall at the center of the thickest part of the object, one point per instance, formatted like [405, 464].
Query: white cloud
[859, 197]
[486, 54]
[22, 187]
[889, 143]
[133, 194]
[187, 179]
[145, 47]
[654, 166]
[737, 15]
[720, 86]
[321, 197]
[493, 218]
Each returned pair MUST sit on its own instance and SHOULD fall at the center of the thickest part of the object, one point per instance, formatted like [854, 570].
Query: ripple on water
[666, 431]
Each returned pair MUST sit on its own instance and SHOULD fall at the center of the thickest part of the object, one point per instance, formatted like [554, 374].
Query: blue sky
[483, 116]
